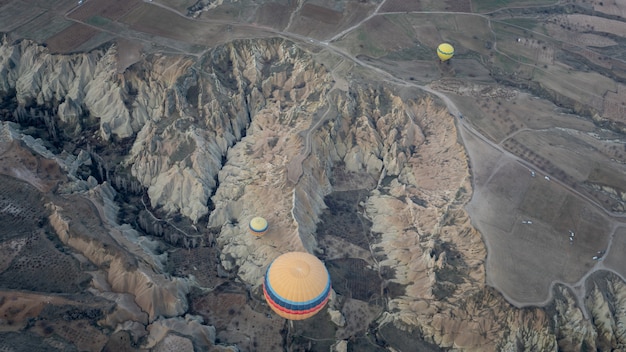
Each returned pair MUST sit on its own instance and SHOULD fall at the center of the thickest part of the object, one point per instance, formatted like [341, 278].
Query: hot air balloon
[445, 51]
[296, 285]
[258, 226]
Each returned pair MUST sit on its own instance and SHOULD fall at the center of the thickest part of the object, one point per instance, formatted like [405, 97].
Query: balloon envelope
[296, 285]
[258, 226]
[445, 51]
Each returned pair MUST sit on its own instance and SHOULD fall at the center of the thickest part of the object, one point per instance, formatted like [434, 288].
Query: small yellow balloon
[258, 226]
[445, 51]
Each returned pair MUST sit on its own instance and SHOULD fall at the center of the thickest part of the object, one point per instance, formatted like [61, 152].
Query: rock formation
[213, 140]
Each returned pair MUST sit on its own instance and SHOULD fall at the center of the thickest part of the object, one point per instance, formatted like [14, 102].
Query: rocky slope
[213, 140]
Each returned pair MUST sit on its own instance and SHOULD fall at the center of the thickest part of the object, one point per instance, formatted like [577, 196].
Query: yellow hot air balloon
[258, 226]
[445, 51]
[296, 285]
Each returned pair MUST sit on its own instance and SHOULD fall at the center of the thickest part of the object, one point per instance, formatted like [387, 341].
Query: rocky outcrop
[70, 84]
[165, 334]
[605, 303]
[130, 265]
[214, 139]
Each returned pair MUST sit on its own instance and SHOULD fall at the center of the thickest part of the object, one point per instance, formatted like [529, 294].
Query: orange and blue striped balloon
[296, 285]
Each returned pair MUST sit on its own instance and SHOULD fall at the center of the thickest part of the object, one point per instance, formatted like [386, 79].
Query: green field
[17, 14]
[584, 87]
[180, 5]
[483, 6]
[43, 27]
[528, 23]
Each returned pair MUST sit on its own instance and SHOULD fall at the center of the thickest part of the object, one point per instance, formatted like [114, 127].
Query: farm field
[483, 6]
